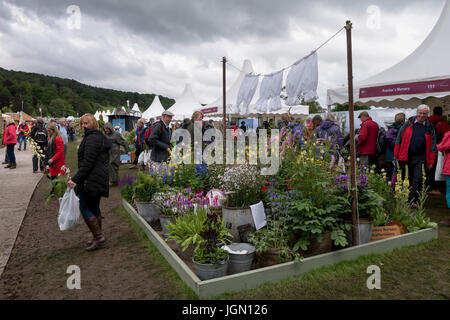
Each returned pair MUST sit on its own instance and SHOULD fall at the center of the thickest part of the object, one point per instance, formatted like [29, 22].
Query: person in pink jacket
[444, 147]
[10, 140]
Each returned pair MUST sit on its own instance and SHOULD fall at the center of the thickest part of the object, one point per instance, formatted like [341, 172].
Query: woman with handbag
[91, 182]
[55, 152]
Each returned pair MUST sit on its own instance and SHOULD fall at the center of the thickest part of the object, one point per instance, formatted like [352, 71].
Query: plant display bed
[257, 277]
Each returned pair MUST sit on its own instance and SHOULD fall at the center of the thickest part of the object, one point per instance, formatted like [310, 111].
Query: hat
[364, 114]
[167, 113]
[152, 119]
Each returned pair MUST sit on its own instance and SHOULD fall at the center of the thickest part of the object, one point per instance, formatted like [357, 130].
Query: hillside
[63, 97]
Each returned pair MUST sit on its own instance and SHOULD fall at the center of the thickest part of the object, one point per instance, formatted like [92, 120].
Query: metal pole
[348, 27]
[224, 61]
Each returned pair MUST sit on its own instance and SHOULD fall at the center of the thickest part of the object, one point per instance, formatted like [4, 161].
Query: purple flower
[363, 181]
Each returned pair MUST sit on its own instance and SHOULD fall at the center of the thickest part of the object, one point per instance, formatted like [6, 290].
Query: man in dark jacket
[367, 140]
[39, 135]
[117, 140]
[416, 147]
[159, 140]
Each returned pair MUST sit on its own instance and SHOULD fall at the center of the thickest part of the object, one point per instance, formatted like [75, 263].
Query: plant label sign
[379, 233]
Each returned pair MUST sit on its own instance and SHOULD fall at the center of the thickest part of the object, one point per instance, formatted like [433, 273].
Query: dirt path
[124, 269]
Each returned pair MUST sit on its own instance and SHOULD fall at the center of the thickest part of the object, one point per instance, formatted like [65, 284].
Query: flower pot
[148, 211]
[364, 229]
[236, 217]
[316, 247]
[269, 258]
[240, 262]
[164, 222]
[211, 271]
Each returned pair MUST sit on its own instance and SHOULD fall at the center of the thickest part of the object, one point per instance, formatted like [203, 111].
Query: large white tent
[154, 110]
[232, 93]
[136, 108]
[185, 105]
[422, 77]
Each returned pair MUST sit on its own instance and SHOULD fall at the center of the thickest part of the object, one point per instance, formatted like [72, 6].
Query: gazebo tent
[155, 110]
[422, 77]
[185, 105]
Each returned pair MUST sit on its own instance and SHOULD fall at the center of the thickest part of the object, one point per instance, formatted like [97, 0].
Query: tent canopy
[422, 77]
[185, 105]
[154, 110]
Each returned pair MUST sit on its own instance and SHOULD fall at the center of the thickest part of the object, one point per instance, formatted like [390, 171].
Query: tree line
[59, 97]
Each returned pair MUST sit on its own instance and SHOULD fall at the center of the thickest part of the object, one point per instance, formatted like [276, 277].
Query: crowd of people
[38, 131]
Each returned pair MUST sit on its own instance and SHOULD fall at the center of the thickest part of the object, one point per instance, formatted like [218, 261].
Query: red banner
[406, 88]
[210, 110]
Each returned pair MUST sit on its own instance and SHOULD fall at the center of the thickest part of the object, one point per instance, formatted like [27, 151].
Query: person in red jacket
[439, 123]
[441, 127]
[416, 147]
[55, 152]
[10, 140]
[367, 140]
[444, 147]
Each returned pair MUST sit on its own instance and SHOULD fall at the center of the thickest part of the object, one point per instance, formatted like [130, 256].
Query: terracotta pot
[269, 258]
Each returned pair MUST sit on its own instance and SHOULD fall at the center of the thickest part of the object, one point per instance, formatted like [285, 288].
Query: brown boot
[9, 165]
[93, 225]
[13, 166]
[99, 219]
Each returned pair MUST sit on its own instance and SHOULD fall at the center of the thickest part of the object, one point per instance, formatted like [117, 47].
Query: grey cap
[167, 113]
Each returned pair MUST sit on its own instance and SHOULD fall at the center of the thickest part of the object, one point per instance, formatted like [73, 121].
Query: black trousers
[138, 152]
[416, 164]
[35, 163]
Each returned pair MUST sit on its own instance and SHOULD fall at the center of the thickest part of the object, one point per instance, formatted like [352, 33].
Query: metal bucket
[164, 222]
[148, 211]
[235, 217]
[364, 229]
[211, 271]
[241, 262]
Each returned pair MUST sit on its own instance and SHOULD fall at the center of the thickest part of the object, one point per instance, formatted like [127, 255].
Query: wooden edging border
[255, 278]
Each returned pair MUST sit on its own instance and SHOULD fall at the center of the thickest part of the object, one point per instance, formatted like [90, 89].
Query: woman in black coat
[91, 182]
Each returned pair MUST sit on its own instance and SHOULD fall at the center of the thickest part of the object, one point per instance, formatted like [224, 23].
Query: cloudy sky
[159, 46]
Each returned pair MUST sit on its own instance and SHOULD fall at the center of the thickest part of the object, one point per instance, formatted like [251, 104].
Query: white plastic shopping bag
[69, 210]
[141, 158]
[438, 176]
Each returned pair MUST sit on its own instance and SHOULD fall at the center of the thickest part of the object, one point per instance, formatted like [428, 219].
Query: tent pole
[224, 61]
[348, 27]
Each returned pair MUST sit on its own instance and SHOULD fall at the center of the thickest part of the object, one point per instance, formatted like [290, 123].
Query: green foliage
[62, 97]
[206, 231]
[127, 193]
[144, 187]
[341, 107]
[185, 229]
[58, 188]
[185, 175]
[274, 235]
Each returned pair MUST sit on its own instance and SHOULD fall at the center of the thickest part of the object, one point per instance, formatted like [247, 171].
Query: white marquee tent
[232, 94]
[422, 77]
[154, 110]
[185, 105]
[136, 108]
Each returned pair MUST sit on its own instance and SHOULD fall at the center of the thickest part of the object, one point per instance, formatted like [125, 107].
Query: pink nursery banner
[406, 88]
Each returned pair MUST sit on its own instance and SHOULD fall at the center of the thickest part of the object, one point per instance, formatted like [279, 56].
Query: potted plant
[143, 190]
[272, 243]
[242, 184]
[171, 204]
[207, 234]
